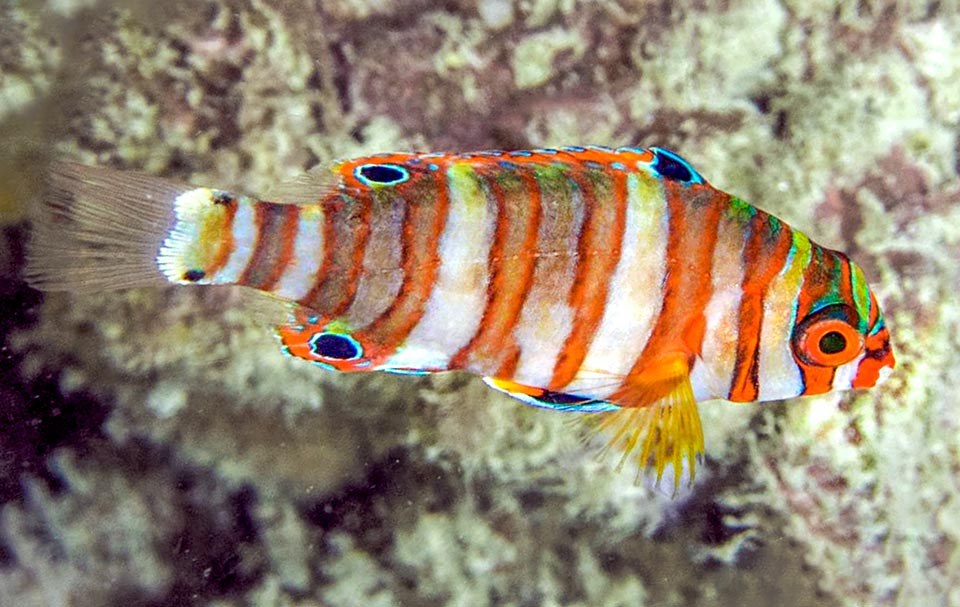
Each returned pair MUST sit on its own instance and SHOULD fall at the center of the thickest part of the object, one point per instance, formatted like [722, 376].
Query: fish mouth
[878, 362]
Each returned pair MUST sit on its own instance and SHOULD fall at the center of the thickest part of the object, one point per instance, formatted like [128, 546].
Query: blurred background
[157, 449]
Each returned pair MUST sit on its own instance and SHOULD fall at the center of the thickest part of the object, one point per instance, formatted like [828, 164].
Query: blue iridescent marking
[379, 175]
[548, 151]
[593, 164]
[403, 371]
[434, 166]
[631, 150]
[506, 164]
[584, 406]
[599, 148]
[556, 401]
[618, 166]
[574, 148]
[671, 166]
[522, 153]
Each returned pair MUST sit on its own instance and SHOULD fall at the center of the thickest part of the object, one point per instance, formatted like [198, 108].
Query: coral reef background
[156, 448]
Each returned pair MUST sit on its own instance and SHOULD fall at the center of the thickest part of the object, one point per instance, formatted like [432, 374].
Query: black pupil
[339, 347]
[671, 169]
[832, 342]
[382, 174]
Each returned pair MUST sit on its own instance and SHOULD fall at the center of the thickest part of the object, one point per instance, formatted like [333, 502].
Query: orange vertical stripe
[349, 219]
[276, 226]
[286, 233]
[764, 255]
[512, 260]
[227, 244]
[598, 253]
[326, 263]
[420, 260]
[694, 216]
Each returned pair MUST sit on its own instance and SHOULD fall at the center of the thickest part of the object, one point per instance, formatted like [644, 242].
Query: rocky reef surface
[156, 448]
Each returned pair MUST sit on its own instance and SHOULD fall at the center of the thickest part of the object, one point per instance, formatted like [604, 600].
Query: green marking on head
[740, 210]
[775, 226]
[861, 295]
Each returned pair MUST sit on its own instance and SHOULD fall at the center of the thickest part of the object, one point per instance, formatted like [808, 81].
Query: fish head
[840, 339]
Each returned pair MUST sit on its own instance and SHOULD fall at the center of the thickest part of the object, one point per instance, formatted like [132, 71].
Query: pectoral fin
[658, 422]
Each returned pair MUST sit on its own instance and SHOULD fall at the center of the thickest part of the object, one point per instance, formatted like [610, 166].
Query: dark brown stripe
[276, 226]
[349, 219]
[598, 253]
[381, 274]
[558, 236]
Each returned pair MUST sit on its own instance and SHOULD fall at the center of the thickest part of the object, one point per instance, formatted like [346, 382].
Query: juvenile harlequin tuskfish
[617, 283]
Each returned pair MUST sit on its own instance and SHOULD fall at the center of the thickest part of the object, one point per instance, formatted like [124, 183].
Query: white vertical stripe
[713, 373]
[845, 374]
[635, 296]
[456, 304]
[547, 318]
[244, 238]
[779, 376]
[298, 277]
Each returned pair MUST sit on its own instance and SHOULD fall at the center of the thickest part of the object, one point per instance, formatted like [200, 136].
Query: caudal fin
[100, 229]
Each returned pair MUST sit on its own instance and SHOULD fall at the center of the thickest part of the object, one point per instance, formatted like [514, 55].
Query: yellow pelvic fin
[658, 422]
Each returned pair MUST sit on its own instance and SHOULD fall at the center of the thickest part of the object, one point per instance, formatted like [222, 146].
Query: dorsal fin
[309, 187]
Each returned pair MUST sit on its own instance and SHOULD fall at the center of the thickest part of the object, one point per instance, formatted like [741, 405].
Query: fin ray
[307, 188]
[99, 229]
[658, 423]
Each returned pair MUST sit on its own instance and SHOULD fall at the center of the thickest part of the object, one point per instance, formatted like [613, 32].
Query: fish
[613, 283]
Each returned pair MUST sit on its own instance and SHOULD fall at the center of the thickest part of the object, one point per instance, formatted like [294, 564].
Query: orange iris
[830, 343]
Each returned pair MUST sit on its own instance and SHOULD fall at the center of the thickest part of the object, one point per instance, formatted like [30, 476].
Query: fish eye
[381, 174]
[832, 342]
[828, 338]
[335, 346]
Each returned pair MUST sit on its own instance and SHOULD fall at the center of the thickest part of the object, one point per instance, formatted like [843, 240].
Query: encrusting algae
[840, 121]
